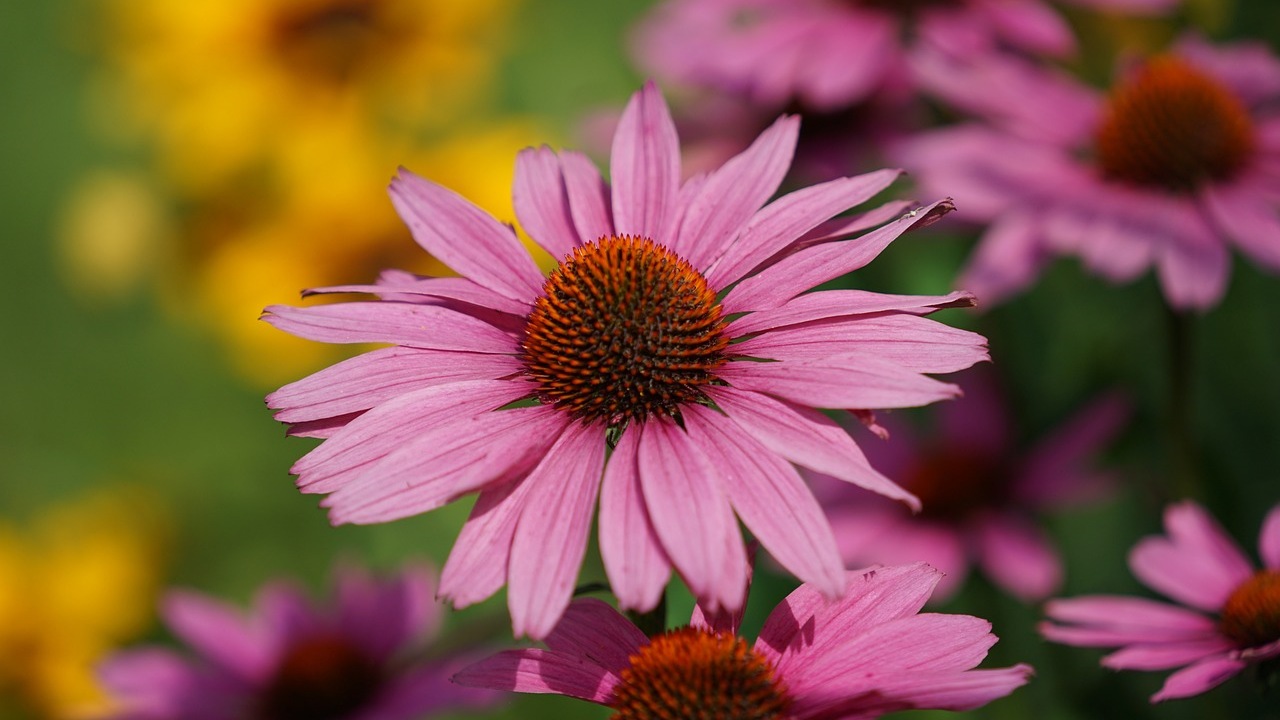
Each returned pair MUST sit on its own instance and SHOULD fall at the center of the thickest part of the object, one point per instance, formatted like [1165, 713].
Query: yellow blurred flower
[220, 84]
[75, 585]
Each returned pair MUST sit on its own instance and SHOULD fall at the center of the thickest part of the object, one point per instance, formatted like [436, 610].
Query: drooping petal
[1162, 656]
[1197, 563]
[1250, 219]
[593, 630]
[421, 326]
[954, 691]
[1197, 678]
[1109, 620]
[1008, 260]
[1269, 540]
[551, 535]
[1193, 268]
[533, 670]
[218, 632]
[849, 380]
[645, 168]
[826, 304]
[397, 285]
[385, 615]
[1017, 555]
[477, 564]
[634, 561]
[589, 196]
[464, 237]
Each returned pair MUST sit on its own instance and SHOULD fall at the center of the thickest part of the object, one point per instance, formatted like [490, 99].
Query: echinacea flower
[1178, 162]
[981, 492]
[1228, 615]
[291, 659]
[676, 332]
[830, 54]
[868, 653]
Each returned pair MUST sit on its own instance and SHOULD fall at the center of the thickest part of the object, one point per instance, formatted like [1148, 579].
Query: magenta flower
[868, 653]
[1181, 160]
[1200, 566]
[674, 332]
[291, 660]
[829, 54]
[981, 493]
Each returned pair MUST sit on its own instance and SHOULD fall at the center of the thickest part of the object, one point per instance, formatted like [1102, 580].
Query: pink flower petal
[542, 202]
[159, 683]
[805, 437]
[464, 237]
[849, 55]
[1163, 656]
[593, 630]
[849, 380]
[687, 506]
[1031, 26]
[1018, 556]
[589, 196]
[1250, 219]
[422, 326]
[1269, 540]
[731, 195]
[394, 284]
[1008, 259]
[477, 565]
[826, 304]
[385, 616]
[1197, 678]
[367, 380]
[634, 561]
[1109, 620]
[1198, 564]
[533, 670]
[218, 632]
[551, 535]
[904, 540]
[645, 165]
[1056, 472]
[788, 218]
[772, 501]
[1194, 267]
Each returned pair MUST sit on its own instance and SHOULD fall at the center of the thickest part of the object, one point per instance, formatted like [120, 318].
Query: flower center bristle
[691, 673]
[1251, 615]
[1174, 128]
[321, 678]
[625, 329]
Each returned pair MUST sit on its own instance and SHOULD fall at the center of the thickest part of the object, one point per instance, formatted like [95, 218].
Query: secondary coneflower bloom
[1228, 615]
[982, 493]
[829, 54]
[291, 659]
[74, 585]
[868, 653]
[675, 331]
[1180, 160]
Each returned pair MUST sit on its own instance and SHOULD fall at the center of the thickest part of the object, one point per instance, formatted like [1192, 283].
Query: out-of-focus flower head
[1178, 162]
[677, 330]
[980, 492]
[359, 657]
[1228, 616]
[74, 586]
[865, 654]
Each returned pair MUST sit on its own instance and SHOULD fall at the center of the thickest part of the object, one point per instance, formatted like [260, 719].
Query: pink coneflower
[674, 332]
[830, 54]
[868, 653]
[1180, 160]
[1200, 566]
[982, 494]
[292, 660]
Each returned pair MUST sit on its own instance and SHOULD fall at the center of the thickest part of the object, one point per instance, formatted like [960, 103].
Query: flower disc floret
[1173, 127]
[624, 329]
[1251, 614]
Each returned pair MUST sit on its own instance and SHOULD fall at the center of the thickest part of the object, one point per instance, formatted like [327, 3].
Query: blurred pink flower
[290, 659]
[651, 339]
[866, 654]
[981, 494]
[829, 54]
[1179, 161]
[1200, 566]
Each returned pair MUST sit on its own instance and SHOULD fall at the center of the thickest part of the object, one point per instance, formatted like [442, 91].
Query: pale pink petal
[423, 326]
[1166, 655]
[730, 196]
[1056, 471]
[1197, 564]
[1193, 268]
[686, 504]
[386, 615]
[464, 237]
[551, 535]
[1197, 678]
[1251, 220]
[1269, 540]
[905, 540]
[645, 167]
[589, 196]
[865, 698]
[284, 615]
[542, 202]
[813, 266]
[1031, 26]
[1108, 620]
[786, 219]
[432, 469]
[772, 500]
[477, 565]
[846, 226]
[217, 631]
[1008, 259]
[841, 303]
[400, 286]
[1018, 556]
[1250, 69]
[910, 341]
[364, 381]
[157, 684]
[805, 437]
[847, 58]
[593, 630]
[533, 670]
[634, 561]
[849, 380]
